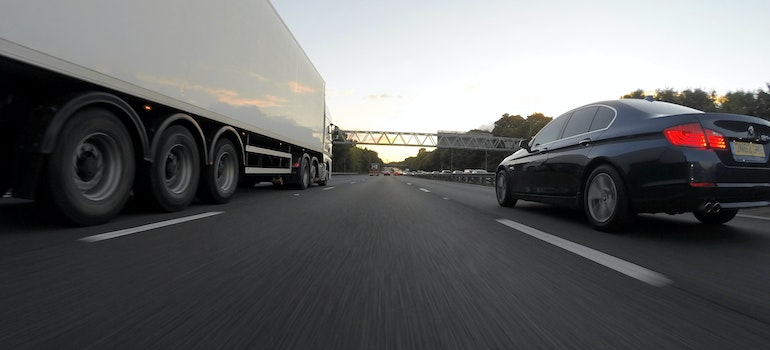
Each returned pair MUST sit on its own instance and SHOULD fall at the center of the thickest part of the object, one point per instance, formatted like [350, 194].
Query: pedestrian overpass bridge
[441, 139]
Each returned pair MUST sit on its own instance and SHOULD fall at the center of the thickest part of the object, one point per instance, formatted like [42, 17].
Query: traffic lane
[726, 264]
[400, 268]
[26, 226]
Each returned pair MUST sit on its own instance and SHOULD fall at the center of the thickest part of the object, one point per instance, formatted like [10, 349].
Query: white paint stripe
[619, 265]
[424, 190]
[409, 183]
[754, 217]
[328, 188]
[129, 231]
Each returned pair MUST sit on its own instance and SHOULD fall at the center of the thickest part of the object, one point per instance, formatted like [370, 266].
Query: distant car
[446, 171]
[615, 159]
[458, 172]
[386, 173]
[479, 171]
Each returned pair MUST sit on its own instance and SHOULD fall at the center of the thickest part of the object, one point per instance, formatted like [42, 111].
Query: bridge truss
[471, 141]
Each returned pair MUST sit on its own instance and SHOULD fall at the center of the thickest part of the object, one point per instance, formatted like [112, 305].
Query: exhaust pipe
[712, 208]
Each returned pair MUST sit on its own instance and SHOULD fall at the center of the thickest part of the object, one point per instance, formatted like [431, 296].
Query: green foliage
[454, 159]
[756, 103]
[351, 159]
[517, 126]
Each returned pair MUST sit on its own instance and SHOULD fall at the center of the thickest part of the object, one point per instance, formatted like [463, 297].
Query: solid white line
[619, 265]
[424, 190]
[328, 188]
[129, 231]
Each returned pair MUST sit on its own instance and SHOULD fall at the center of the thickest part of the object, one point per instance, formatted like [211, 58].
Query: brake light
[693, 135]
[715, 139]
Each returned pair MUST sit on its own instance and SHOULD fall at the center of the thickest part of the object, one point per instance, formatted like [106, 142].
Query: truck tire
[303, 176]
[220, 179]
[175, 169]
[91, 171]
[325, 178]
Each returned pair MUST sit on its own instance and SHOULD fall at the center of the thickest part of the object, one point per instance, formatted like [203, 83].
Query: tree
[698, 99]
[507, 125]
[638, 93]
[666, 95]
[738, 102]
[762, 107]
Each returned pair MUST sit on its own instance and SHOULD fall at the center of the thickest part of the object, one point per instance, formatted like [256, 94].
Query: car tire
[91, 171]
[220, 179]
[719, 218]
[503, 190]
[606, 202]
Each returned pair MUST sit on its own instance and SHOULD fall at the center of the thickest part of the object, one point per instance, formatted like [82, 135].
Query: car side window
[580, 122]
[551, 131]
[603, 118]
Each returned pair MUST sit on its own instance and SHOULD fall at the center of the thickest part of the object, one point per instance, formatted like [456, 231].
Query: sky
[451, 65]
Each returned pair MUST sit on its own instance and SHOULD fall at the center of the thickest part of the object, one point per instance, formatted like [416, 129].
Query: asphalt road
[380, 263]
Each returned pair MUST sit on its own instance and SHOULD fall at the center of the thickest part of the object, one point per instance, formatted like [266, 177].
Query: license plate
[748, 149]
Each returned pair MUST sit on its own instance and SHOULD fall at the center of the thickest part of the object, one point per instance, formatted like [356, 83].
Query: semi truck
[374, 169]
[165, 101]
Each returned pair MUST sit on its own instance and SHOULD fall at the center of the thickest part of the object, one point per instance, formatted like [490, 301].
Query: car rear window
[660, 107]
[580, 122]
[602, 119]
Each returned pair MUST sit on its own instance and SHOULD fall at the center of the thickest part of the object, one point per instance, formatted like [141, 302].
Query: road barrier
[478, 179]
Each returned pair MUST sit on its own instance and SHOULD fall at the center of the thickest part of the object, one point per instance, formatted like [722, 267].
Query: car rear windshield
[660, 108]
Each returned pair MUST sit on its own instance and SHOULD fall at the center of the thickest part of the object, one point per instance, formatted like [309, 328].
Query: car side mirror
[524, 143]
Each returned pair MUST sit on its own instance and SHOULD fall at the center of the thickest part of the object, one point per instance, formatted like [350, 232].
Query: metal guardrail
[478, 179]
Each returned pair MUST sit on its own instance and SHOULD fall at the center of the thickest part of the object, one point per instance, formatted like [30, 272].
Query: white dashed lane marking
[629, 269]
[129, 231]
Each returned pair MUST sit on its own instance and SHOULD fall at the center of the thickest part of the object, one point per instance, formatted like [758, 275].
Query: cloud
[299, 88]
[232, 98]
[228, 96]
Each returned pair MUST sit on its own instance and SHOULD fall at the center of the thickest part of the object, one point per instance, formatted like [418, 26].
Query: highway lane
[727, 264]
[385, 262]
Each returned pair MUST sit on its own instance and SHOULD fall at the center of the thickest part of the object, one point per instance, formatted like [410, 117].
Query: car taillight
[715, 139]
[693, 135]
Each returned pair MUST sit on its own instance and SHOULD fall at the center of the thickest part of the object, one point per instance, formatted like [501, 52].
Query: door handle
[585, 142]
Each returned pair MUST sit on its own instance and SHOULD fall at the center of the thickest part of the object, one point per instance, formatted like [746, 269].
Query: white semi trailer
[167, 100]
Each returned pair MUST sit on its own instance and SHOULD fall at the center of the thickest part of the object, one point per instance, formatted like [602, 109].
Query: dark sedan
[615, 159]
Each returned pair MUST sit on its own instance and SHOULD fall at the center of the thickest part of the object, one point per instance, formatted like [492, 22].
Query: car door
[569, 155]
[529, 170]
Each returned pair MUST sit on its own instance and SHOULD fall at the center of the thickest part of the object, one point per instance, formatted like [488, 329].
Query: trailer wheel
[220, 180]
[175, 169]
[303, 181]
[325, 178]
[91, 172]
